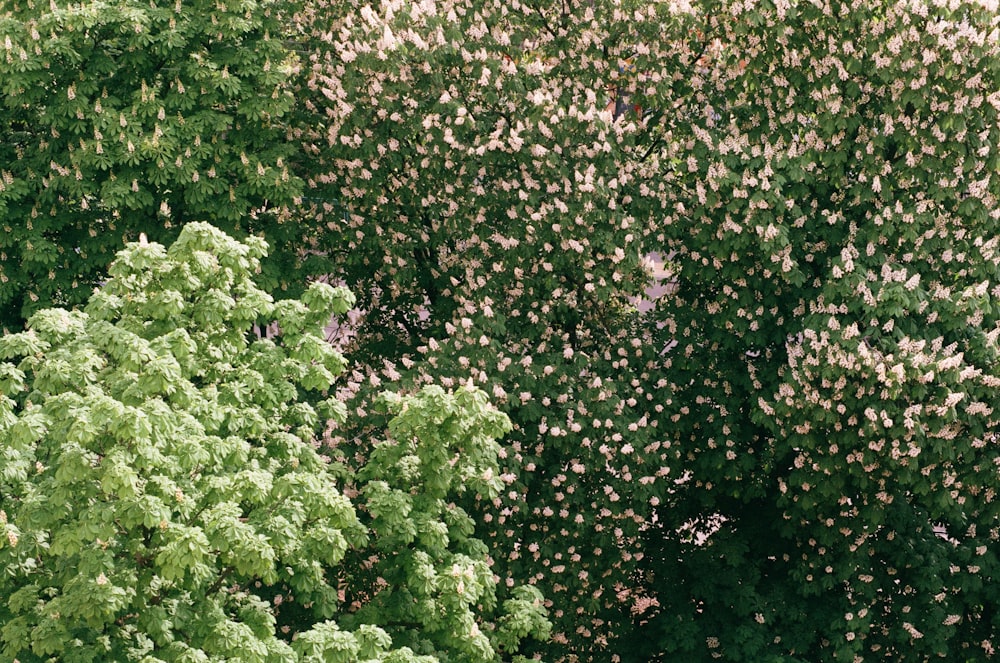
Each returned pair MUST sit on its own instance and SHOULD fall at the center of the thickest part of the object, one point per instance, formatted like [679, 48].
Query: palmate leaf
[11, 379]
[24, 344]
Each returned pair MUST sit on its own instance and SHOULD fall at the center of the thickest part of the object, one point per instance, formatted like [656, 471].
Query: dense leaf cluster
[795, 399]
[162, 496]
[834, 235]
[121, 117]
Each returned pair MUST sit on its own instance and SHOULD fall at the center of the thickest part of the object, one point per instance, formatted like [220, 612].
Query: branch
[219, 581]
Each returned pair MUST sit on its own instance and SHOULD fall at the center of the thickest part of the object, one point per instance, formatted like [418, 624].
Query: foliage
[162, 496]
[684, 476]
[481, 170]
[834, 377]
[123, 116]
[807, 411]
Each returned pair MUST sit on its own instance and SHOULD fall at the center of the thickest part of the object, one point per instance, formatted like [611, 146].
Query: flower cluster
[810, 397]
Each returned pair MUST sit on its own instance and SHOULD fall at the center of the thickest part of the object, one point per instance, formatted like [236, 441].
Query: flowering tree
[474, 160]
[807, 410]
[211, 125]
[162, 496]
[125, 117]
[815, 388]
[831, 210]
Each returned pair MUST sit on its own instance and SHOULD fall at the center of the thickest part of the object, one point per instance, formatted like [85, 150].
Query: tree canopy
[803, 405]
[164, 497]
[125, 117]
[834, 378]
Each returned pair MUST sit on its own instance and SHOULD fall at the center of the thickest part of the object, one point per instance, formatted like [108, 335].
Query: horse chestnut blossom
[798, 395]
[730, 268]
